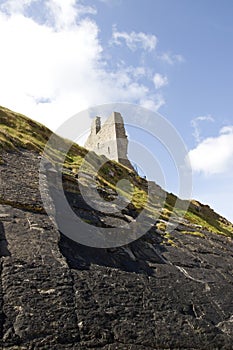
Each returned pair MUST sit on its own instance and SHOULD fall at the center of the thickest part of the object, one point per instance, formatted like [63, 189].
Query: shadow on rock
[4, 251]
[140, 256]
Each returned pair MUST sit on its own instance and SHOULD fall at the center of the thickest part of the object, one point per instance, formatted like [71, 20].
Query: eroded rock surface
[58, 294]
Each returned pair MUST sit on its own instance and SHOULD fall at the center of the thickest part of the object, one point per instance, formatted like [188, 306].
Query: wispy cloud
[15, 6]
[134, 40]
[57, 13]
[196, 125]
[65, 13]
[111, 2]
[171, 58]
[160, 80]
[154, 104]
[214, 155]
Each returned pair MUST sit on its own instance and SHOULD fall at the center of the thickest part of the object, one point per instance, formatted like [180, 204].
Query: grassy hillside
[18, 132]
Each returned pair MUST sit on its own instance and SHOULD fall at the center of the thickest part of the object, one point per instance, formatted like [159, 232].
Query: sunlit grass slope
[18, 133]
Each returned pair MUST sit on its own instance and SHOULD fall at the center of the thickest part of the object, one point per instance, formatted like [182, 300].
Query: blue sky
[171, 56]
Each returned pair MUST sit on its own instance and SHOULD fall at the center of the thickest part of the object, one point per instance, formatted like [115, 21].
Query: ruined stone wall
[110, 139]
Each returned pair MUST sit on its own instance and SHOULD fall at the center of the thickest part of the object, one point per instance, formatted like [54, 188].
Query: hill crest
[174, 287]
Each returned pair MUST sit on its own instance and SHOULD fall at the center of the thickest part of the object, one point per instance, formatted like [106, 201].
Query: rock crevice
[58, 294]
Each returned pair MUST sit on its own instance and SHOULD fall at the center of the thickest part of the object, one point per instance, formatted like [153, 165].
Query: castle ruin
[109, 139]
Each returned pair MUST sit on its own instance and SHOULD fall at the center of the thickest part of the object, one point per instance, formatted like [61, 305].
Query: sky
[59, 57]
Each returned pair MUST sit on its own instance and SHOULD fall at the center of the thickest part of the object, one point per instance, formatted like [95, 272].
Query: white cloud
[171, 58]
[60, 13]
[15, 6]
[135, 40]
[65, 13]
[160, 80]
[52, 69]
[214, 155]
[153, 104]
[195, 124]
[42, 63]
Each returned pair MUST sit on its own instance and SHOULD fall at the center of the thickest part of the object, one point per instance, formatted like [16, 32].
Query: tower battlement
[109, 139]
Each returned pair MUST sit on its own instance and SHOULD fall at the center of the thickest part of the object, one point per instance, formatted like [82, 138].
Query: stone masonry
[109, 139]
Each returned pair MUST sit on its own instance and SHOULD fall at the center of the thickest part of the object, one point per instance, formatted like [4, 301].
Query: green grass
[19, 132]
[161, 226]
[169, 239]
[210, 223]
[193, 233]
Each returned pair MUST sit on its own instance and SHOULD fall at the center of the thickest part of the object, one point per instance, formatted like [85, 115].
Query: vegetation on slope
[18, 132]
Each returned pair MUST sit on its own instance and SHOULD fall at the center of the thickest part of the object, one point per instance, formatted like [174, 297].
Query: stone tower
[109, 139]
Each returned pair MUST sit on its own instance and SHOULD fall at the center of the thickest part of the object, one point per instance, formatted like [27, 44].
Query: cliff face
[158, 292]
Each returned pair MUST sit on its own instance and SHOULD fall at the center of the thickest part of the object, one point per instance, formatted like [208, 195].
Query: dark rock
[58, 294]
